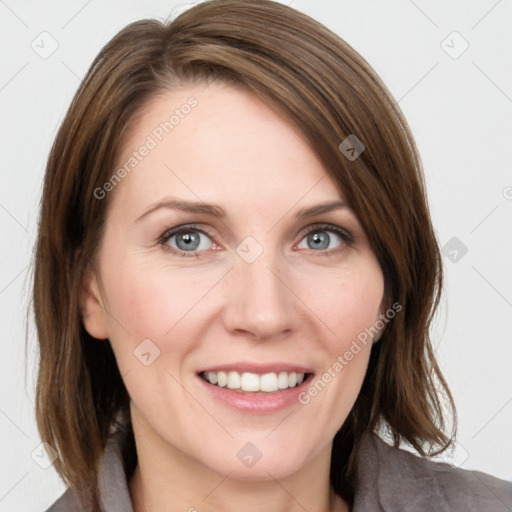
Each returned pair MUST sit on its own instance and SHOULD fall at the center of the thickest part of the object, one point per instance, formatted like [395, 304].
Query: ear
[94, 316]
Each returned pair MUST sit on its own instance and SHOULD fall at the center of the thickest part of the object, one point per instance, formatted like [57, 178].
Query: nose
[261, 303]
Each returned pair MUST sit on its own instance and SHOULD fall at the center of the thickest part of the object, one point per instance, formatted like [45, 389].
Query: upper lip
[259, 368]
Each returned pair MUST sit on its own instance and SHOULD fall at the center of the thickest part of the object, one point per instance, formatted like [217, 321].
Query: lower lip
[257, 402]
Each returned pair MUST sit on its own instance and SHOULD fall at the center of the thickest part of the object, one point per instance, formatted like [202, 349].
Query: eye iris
[320, 239]
[190, 239]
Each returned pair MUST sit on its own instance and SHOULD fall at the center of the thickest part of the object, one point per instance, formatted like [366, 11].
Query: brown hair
[317, 81]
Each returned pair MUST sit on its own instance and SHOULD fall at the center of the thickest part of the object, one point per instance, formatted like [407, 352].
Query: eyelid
[326, 226]
[166, 235]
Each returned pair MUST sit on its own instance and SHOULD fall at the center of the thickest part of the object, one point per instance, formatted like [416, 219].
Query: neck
[149, 495]
[167, 480]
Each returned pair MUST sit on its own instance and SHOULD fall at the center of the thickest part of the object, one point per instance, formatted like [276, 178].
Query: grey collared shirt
[390, 480]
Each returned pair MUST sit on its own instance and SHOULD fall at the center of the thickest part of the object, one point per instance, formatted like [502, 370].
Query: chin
[247, 462]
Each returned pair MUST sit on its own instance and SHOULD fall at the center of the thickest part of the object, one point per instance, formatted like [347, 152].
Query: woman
[234, 280]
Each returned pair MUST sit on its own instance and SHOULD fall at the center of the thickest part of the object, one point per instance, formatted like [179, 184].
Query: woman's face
[262, 291]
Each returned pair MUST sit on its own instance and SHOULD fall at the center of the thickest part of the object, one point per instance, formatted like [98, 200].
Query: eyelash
[345, 235]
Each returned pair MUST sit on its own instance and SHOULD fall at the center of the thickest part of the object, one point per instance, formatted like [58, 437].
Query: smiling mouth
[248, 382]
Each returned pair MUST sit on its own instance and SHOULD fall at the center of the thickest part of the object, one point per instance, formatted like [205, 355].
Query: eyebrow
[218, 212]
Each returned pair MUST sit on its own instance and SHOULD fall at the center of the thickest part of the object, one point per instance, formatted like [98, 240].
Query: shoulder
[112, 485]
[68, 501]
[390, 478]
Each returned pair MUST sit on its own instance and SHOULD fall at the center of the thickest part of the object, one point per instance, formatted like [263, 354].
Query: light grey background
[460, 111]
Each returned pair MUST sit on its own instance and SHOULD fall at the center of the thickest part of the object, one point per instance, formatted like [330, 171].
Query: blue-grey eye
[187, 239]
[319, 239]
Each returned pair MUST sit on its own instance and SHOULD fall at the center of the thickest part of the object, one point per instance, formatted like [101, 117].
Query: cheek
[150, 304]
[145, 303]
[349, 305]
[153, 301]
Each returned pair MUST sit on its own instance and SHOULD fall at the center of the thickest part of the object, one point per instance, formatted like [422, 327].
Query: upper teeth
[247, 381]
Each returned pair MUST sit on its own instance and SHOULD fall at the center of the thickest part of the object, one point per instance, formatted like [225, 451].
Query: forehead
[218, 144]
